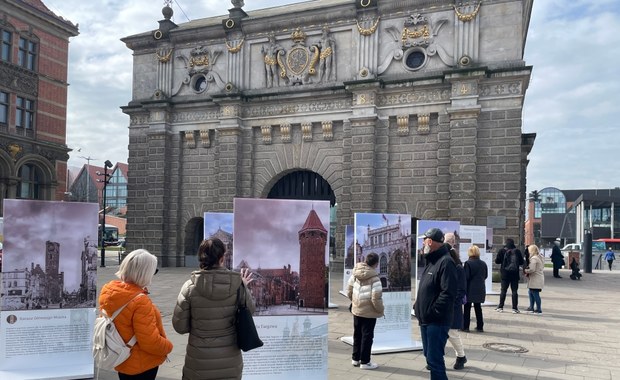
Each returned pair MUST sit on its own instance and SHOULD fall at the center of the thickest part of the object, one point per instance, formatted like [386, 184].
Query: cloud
[572, 46]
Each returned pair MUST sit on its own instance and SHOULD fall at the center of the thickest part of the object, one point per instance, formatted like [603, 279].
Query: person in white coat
[535, 279]
[365, 292]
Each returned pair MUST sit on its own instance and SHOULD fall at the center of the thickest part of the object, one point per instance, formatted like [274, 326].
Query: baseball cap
[435, 234]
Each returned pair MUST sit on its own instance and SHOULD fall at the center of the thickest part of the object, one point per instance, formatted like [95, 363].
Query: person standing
[610, 257]
[454, 335]
[434, 305]
[535, 279]
[206, 309]
[510, 259]
[140, 318]
[557, 259]
[365, 292]
[476, 272]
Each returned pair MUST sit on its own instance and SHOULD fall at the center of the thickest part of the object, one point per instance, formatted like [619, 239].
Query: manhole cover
[504, 347]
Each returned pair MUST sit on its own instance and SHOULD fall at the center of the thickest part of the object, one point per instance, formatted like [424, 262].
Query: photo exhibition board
[219, 225]
[389, 236]
[285, 243]
[446, 226]
[477, 235]
[48, 294]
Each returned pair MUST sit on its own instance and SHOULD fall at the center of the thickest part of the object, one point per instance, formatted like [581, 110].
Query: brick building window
[27, 53]
[5, 48]
[4, 110]
[30, 185]
[24, 117]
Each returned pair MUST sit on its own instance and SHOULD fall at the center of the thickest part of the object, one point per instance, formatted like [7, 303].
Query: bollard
[587, 252]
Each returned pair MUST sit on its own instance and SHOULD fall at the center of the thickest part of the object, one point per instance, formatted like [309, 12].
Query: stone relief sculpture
[327, 46]
[297, 65]
[415, 43]
[270, 54]
[199, 70]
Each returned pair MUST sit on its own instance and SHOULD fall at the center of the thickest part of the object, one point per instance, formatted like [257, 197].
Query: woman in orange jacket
[140, 317]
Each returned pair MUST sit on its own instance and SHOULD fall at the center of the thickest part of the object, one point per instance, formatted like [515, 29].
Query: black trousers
[610, 262]
[467, 315]
[556, 270]
[514, 287]
[151, 374]
[363, 334]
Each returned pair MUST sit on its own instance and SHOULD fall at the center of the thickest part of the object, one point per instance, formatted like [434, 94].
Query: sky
[573, 47]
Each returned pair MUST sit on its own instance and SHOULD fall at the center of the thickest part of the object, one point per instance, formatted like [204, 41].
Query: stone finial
[237, 3]
[167, 11]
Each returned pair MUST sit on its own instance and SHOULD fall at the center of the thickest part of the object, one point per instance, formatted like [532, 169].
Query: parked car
[571, 247]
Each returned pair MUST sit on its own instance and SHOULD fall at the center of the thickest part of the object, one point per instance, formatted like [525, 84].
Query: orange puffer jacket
[140, 318]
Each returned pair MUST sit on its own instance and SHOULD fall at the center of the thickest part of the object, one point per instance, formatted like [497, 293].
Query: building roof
[123, 168]
[44, 12]
[313, 222]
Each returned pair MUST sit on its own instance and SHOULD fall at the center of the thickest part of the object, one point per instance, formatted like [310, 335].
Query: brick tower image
[55, 280]
[312, 241]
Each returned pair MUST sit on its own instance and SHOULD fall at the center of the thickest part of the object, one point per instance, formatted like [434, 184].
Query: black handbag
[247, 336]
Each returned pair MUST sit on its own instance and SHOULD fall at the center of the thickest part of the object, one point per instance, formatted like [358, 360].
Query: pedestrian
[510, 259]
[557, 259]
[364, 289]
[140, 318]
[535, 279]
[206, 309]
[574, 266]
[454, 335]
[434, 305]
[610, 257]
[476, 272]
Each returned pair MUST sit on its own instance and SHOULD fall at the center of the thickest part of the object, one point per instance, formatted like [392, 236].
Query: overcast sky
[570, 104]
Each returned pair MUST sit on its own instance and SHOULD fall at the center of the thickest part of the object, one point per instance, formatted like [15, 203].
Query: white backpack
[109, 349]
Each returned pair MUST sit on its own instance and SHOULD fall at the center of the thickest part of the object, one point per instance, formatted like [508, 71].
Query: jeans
[363, 334]
[467, 315]
[514, 286]
[535, 299]
[151, 374]
[434, 339]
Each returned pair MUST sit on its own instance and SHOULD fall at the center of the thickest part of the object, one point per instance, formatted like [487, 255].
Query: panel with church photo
[50, 255]
[219, 225]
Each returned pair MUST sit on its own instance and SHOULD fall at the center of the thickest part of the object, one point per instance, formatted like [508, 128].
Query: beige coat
[535, 278]
[206, 310]
[365, 292]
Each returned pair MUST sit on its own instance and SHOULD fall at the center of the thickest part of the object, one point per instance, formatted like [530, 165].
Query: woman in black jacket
[476, 273]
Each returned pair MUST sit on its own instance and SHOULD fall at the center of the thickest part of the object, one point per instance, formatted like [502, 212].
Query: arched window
[30, 186]
[383, 264]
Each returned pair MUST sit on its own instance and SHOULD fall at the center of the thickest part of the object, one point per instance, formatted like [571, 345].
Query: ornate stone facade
[410, 107]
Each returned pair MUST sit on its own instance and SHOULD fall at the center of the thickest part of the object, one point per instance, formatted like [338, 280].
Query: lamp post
[106, 179]
[88, 159]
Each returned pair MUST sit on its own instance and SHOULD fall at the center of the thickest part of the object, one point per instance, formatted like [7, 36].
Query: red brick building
[34, 49]
[312, 242]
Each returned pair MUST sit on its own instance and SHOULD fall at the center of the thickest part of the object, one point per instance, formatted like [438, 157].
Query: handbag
[247, 336]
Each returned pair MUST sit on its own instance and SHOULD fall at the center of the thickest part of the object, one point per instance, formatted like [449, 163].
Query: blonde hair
[138, 268]
[533, 250]
[473, 251]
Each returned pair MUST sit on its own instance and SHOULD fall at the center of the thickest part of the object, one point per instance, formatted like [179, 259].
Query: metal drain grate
[505, 347]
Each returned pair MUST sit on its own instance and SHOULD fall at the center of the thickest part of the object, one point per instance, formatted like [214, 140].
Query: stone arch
[48, 180]
[299, 184]
[194, 231]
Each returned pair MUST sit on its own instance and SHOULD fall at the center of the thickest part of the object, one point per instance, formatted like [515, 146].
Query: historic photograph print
[220, 225]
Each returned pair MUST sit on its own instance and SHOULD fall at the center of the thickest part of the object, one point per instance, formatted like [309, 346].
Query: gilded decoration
[199, 65]
[190, 139]
[234, 48]
[423, 123]
[204, 138]
[461, 12]
[367, 31]
[163, 56]
[285, 132]
[14, 149]
[301, 62]
[328, 132]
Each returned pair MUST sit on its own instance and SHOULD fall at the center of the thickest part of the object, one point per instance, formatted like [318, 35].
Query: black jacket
[437, 289]
[508, 275]
[476, 272]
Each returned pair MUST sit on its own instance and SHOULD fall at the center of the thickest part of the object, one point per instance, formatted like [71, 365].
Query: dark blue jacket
[457, 320]
[476, 272]
[437, 289]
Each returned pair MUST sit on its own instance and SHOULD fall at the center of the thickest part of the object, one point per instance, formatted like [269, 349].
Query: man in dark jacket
[557, 259]
[434, 305]
[510, 258]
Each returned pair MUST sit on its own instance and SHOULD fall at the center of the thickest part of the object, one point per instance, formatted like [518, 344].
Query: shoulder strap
[238, 295]
[117, 312]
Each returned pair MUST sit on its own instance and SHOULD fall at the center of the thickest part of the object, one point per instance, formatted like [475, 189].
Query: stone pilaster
[229, 141]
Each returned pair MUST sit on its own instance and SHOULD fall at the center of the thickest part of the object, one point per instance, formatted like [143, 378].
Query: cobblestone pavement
[576, 338]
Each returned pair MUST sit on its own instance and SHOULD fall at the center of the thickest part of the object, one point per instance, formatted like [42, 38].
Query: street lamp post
[106, 179]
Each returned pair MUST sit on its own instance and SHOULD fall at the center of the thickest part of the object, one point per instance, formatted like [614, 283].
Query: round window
[415, 59]
[199, 83]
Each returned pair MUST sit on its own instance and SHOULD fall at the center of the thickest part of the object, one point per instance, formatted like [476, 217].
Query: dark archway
[193, 237]
[303, 184]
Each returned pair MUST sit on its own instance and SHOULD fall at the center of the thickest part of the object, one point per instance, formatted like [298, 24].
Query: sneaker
[499, 310]
[515, 311]
[538, 312]
[480, 330]
[355, 363]
[460, 362]
[529, 309]
[369, 365]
